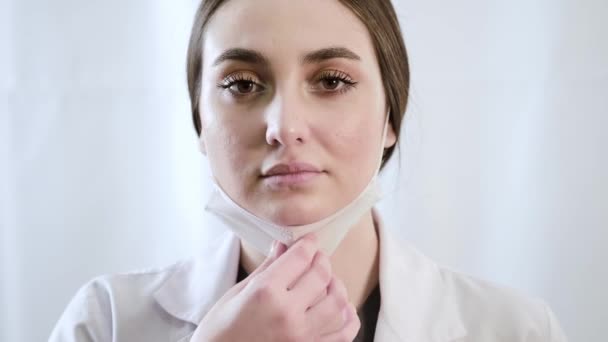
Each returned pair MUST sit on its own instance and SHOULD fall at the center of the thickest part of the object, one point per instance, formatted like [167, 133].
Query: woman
[298, 104]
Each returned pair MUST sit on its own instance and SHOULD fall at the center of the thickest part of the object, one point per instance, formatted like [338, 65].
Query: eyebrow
[254, 57]
[329, 53]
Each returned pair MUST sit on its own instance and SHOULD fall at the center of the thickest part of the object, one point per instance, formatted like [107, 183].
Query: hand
[291, 296]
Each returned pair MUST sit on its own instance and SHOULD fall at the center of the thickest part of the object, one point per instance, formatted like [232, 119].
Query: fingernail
[273, 248]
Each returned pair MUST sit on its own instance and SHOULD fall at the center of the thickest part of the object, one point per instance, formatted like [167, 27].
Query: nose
[286, 123]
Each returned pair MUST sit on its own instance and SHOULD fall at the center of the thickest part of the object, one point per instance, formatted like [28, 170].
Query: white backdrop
[502, 175]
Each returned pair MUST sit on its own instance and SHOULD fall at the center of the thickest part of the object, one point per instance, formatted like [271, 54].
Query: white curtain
[503, 159]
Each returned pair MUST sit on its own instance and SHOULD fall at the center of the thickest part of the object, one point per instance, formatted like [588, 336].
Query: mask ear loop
[384, 137]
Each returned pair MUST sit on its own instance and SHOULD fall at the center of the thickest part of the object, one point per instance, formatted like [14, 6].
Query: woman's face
[292, 107]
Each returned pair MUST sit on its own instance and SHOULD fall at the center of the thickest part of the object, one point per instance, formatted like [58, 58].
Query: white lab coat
[420, 301]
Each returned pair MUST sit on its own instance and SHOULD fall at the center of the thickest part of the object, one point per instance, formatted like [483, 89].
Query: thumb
[277, 249]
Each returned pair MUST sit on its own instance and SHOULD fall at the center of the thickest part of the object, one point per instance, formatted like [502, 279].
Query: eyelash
[327, 75]
[337, 75]
[233, 79]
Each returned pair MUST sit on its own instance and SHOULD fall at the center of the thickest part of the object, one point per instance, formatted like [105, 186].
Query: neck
[355, 261]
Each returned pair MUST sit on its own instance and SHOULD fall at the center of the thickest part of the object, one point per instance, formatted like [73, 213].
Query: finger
[313, 283]
[349, 330]
[319, 298]
[287, 269]
[276, 251]
[327, 315]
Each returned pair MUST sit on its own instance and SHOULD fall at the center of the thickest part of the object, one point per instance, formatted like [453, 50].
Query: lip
[289, 174]
[281, 169]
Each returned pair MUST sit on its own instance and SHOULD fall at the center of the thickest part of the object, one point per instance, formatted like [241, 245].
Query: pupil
[245, 87]
[331, 84]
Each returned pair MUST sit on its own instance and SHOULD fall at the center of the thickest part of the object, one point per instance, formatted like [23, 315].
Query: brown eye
[244, 87]
[331, 84]
[241, 84]
[334, 82]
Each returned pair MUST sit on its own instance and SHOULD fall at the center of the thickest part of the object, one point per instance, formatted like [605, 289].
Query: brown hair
[381, 21]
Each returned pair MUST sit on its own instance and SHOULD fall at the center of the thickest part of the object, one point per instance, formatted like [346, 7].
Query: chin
[293, 212]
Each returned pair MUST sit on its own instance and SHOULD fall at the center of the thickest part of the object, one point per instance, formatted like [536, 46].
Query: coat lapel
[195, 285]
[416, 303]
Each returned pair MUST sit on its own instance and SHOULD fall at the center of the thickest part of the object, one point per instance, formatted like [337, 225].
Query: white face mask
[329, 231]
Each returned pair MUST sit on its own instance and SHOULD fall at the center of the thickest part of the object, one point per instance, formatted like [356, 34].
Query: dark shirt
[368, 312]
[368, 315]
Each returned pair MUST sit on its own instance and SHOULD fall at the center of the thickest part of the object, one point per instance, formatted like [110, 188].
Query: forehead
[285, 29]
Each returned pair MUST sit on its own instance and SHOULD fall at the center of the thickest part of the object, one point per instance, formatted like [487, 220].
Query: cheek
[356, 139]
[234, 143]
[354, 146]
[227, 148]
[233, 163]
[228, 136]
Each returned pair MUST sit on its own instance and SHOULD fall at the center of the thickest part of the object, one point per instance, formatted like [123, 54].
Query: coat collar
[417, 303]
[195, 285]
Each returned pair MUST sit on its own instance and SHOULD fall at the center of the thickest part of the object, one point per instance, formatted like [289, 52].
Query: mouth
[291, 174]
